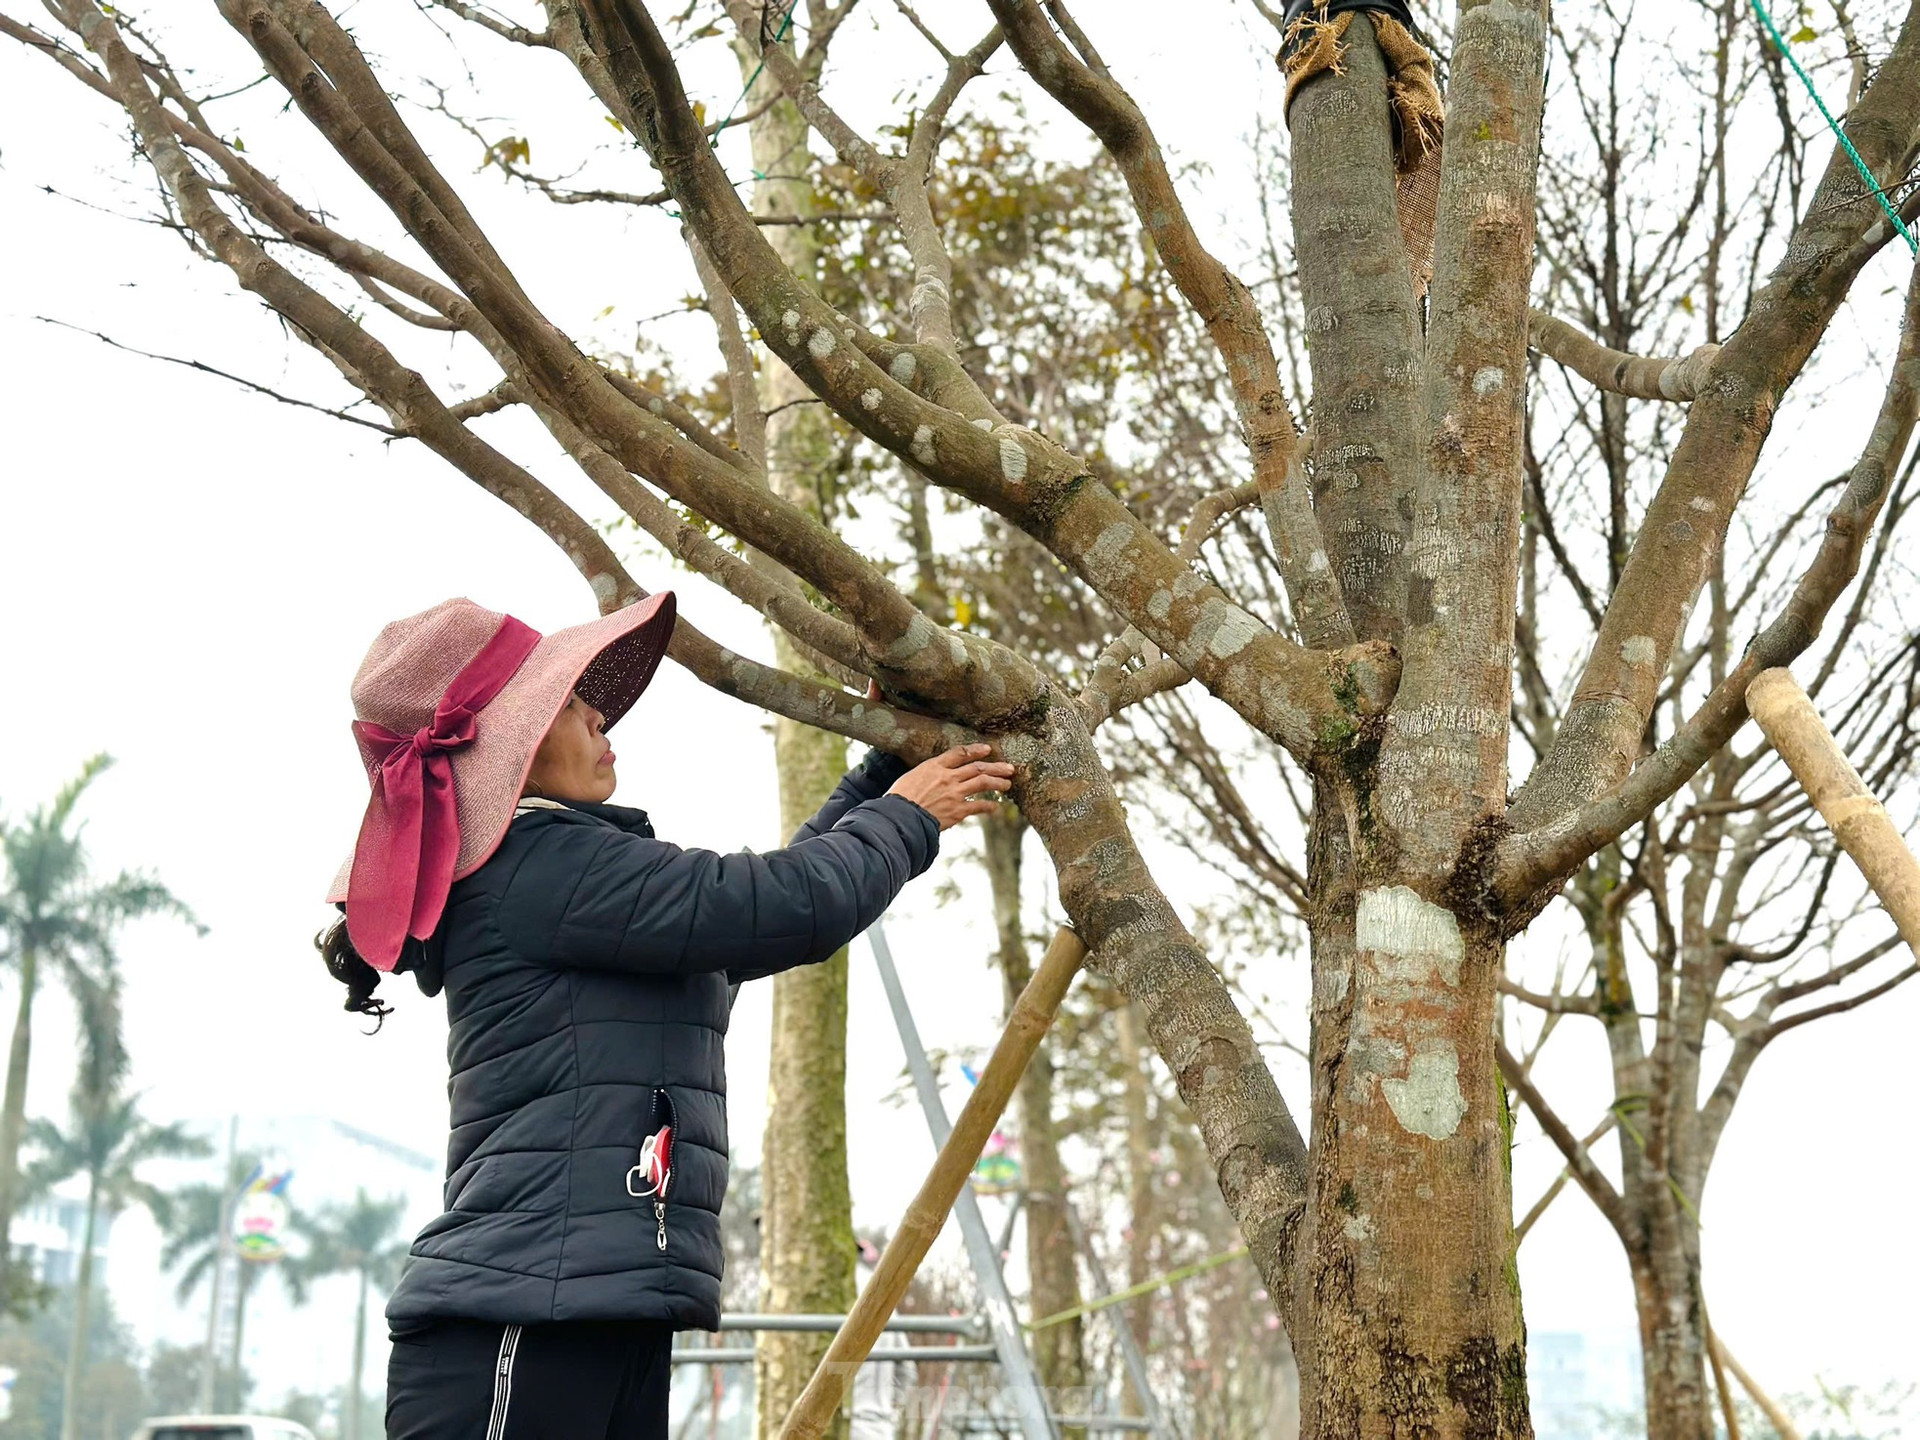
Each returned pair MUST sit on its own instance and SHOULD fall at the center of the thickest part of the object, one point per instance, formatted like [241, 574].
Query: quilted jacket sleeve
[868, 780]
[593, 897]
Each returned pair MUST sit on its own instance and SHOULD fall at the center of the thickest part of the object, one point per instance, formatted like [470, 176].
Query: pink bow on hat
[403, 863]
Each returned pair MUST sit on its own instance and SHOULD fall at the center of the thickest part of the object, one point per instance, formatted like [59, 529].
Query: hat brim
[609, 662]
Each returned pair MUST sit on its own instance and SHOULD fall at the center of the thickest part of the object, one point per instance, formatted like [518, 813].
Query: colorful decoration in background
[260, 1217]
[997, 1171]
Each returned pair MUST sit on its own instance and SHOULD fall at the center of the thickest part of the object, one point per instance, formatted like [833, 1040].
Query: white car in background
[221, 1427]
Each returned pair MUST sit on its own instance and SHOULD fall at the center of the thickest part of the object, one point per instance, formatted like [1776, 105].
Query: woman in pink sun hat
[589, 969]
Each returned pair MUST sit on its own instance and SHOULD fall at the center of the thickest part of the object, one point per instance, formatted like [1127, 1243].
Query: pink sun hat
[450, 706]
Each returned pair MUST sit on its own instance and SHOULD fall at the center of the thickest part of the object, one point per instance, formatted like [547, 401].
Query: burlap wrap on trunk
[1312, 46]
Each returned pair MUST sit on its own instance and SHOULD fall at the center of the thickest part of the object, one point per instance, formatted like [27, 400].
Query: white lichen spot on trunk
[1637, 650]
[1013, 459]
[1358, 1227]
[1488, 379]
[790, 322]
[1226, 627]
[605, 589]
[922, 447]
[1109, 546]
[981, 424]
[920, 633]
[870, 399]
[1428, 1102]
[903, 367]
[822, 343]
[1398, 926]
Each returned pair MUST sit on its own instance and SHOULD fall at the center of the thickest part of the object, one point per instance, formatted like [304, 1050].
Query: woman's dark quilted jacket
[587, 968]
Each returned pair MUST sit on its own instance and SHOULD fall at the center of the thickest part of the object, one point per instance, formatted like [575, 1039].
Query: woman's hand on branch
[943, 784]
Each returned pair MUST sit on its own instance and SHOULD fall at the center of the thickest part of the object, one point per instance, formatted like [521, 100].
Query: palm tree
[363, 1239]
[107, 1140]
[53, 913]
[195, 1239]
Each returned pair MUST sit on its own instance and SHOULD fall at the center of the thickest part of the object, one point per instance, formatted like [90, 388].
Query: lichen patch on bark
[1428, 1102]
[1396, 922]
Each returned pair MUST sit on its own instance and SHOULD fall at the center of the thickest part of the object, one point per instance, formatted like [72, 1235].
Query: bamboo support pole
[1720, 1384]
[1032, 1014]
[1776, 1417]
[1858, 821]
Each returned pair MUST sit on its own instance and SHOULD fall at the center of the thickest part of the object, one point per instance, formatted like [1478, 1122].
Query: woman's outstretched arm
[591, 897]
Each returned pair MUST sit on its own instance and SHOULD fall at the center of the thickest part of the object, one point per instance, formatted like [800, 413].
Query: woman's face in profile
[574, 761]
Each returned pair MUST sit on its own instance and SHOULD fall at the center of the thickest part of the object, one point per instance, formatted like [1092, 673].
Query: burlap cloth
[1313, 45]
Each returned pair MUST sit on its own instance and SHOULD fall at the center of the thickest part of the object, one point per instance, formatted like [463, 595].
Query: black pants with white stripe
[581, 1380]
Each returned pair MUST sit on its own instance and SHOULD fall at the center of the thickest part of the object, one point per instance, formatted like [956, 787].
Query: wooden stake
[1032, 1014]
[1720, 1379]
[1776, 1417]
[1858, 821]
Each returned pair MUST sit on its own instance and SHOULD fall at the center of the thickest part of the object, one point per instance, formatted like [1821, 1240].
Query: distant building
[48, 1234]
[1582, 1385]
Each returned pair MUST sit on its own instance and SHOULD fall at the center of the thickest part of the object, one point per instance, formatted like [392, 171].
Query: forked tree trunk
[806, 1226]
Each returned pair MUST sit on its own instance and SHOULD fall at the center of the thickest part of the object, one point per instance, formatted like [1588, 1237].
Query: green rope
[1833, 124]
[1145, 1287]
[786, 24]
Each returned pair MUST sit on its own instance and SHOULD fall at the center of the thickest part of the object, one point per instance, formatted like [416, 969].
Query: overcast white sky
[190, 573]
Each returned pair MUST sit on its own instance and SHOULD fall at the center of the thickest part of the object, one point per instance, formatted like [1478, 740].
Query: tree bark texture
[806, 1219]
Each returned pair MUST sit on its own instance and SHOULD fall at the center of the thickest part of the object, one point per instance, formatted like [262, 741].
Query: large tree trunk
[1053, 1273]
[1673, 1347]
[806, 1226]
[1407, 1315]
[13, 1117]
[77, 1343]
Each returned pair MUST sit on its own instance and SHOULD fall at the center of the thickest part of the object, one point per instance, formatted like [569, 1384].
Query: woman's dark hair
[346, 966]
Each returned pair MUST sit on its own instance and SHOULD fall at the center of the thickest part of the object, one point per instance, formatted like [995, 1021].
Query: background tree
[53, 912]
[194, 1239]
[1728, 919]
[1383, 665]
[362, 1238]
[113, 1395]
[173, 1380]
[109, 1142]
